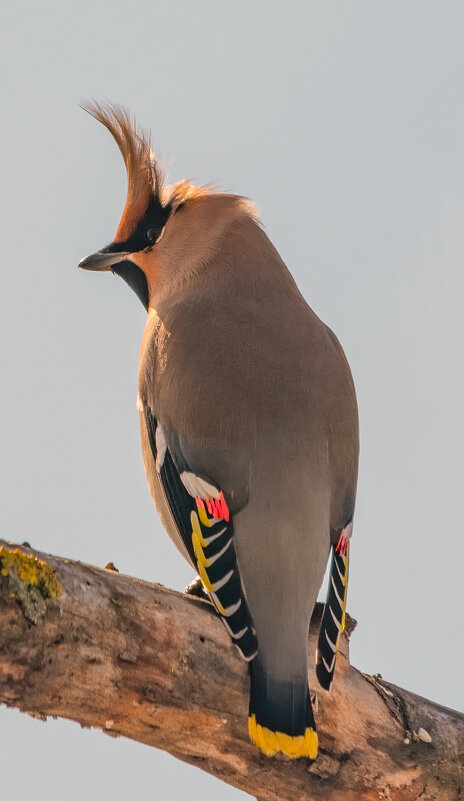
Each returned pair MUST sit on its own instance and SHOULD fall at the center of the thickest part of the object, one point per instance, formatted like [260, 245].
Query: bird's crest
[145, 178]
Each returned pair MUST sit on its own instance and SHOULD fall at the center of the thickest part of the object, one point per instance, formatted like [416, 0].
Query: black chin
[134, 277]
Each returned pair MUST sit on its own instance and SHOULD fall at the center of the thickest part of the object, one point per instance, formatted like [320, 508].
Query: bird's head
[154, 242]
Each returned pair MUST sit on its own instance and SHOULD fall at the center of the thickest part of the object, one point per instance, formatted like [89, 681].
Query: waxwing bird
[249, 428]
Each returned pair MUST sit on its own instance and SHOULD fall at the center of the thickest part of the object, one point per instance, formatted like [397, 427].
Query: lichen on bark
[30, 581]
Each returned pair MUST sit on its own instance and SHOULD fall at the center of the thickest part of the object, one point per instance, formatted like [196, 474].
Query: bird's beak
[102, 262]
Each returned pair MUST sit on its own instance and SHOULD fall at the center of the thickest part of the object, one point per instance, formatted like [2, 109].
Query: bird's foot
[195, 588]
[314, 701]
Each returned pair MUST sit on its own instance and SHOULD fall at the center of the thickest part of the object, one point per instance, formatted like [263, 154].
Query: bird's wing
[201, 515]
[333, 618]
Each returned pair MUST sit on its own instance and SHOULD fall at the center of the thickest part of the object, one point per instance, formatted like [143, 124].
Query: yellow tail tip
[271, 742]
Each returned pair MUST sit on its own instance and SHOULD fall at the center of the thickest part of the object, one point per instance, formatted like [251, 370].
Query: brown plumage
[249, 431]
[143, 178]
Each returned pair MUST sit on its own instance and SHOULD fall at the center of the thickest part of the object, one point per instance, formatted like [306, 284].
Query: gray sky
[344, 122]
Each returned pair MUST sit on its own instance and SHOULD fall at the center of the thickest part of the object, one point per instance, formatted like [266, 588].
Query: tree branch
[144, 662]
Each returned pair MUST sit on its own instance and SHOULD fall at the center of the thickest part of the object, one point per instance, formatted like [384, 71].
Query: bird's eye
[151, 235]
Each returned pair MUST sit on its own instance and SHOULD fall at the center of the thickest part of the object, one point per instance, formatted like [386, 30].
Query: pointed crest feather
[143, 177]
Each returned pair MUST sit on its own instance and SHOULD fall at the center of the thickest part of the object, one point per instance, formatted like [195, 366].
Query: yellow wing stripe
[345, 584]
[219, 607]
[198, 543]
[203, 517]
[198, 551]
[345, 577]
[204, 578]
[196, 529]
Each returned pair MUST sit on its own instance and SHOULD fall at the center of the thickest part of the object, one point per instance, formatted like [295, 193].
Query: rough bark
[144, 662]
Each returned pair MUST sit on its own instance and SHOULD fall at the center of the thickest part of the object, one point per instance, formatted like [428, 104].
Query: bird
[249, 427]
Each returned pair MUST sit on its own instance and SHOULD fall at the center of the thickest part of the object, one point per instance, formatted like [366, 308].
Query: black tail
[333, 618]
[281, 717]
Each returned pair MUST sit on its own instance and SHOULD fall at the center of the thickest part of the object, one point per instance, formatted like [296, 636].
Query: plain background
[344, 122]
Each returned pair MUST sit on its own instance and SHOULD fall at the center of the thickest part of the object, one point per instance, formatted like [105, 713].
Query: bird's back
[238, 364]
[260, 395]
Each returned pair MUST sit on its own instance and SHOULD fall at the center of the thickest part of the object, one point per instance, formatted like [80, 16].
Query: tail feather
[333, 618]
[281, 717]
